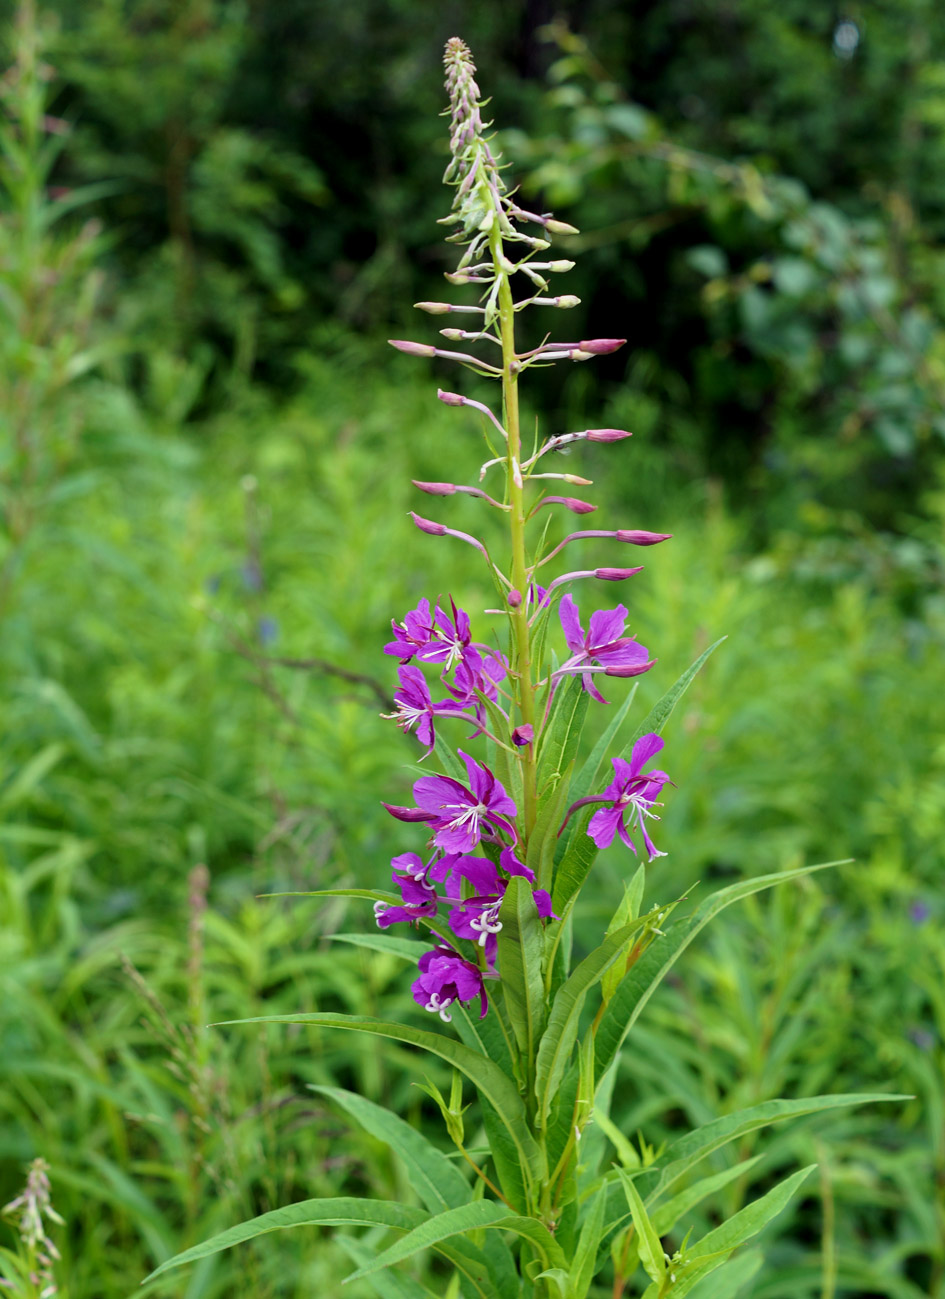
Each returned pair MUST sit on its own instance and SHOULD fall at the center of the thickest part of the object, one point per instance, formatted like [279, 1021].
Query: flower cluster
[478, 836]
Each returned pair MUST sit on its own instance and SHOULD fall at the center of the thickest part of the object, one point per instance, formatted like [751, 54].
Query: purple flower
[418, 894]
[446, 977]
[919, 912]
[604, 643]
[459, 816]
[452, 640]
[415, 707]
[633, 795]
[477, 918]
[413, 633]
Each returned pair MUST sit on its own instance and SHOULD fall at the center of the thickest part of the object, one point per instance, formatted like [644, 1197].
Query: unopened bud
[561, 266]
[412, 349]
[436, 489]
[577, 355]
[632, 670]
[523, 735]
[569, 502]
[434, 308]
[600, 346]
[610, 574]
[560, 227]
[451, 398]
[454, 335]
[514, 598]
[636, 538]
[567, 300]
[460, 277]
[427, 525]
[607, 434]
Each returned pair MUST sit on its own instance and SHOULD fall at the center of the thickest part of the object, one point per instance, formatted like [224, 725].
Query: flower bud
[569, 502]
[567, 300]
[514, 598]
[412, 349]
[436, 489]
[560, 227]
[561, 266]
[636, 538]
[600, 346]
[523, 735]
[434, 308]
[607, 434]
[615, 574]
[427, 525]
[633, 670]
[454, 335]
[451, 398]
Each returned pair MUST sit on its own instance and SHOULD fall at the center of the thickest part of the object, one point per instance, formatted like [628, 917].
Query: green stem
[516, 494]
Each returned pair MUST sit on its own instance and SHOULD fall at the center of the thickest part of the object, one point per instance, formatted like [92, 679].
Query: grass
[149, 730]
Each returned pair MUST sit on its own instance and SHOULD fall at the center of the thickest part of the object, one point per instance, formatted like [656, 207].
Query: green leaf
[562, 733]
[434, 1177]
[628, 910]
[543, 840]
[575, 863]
[391, 1286]
[636, 988]
[661, 711]
[386, 943]
[648, 1241]
[668, 1214]
[478, 1215]
[519, 960]
[685, 1153]
[495, 1085]
[584, 1264]
[728, 1281]
[713, 1249]
[554, 1049]
[339, 1212]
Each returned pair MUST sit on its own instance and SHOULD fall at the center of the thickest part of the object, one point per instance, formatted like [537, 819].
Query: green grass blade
[636, 988]
[519, 959]
[495, 1085]
[434, 1177]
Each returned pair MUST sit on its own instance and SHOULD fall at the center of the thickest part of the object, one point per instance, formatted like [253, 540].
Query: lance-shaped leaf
[661, 711]
[543, 840]
[685, 1153]
[344, 1211]
[562, 734]
[713, 1249]
[555, 1047]
[386, 943]
[495, 1085]
[434, 1177]
[667, 1215]
[586, 779]
[519, 959]
[479, 1215]
[731, 1278]
[636, 988]
[584, 1265]
[392, 1285]
[649, 1245]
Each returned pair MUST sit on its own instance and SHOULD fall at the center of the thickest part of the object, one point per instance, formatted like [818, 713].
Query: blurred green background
[212, 215]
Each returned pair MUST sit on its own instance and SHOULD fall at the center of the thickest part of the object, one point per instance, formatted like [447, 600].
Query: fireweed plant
[508, 827]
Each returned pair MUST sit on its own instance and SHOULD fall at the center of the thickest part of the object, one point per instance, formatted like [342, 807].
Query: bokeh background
[212, 215]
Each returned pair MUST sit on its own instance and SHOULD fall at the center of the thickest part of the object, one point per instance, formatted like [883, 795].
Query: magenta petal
[511, 864]
[571, 624]
[543, 903]
[606, 625]
[625, 654]
[481, 874]
[646, 747]
[603, 826]
[432, 793]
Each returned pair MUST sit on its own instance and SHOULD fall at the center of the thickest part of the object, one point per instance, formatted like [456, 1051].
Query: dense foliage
[200, 553]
